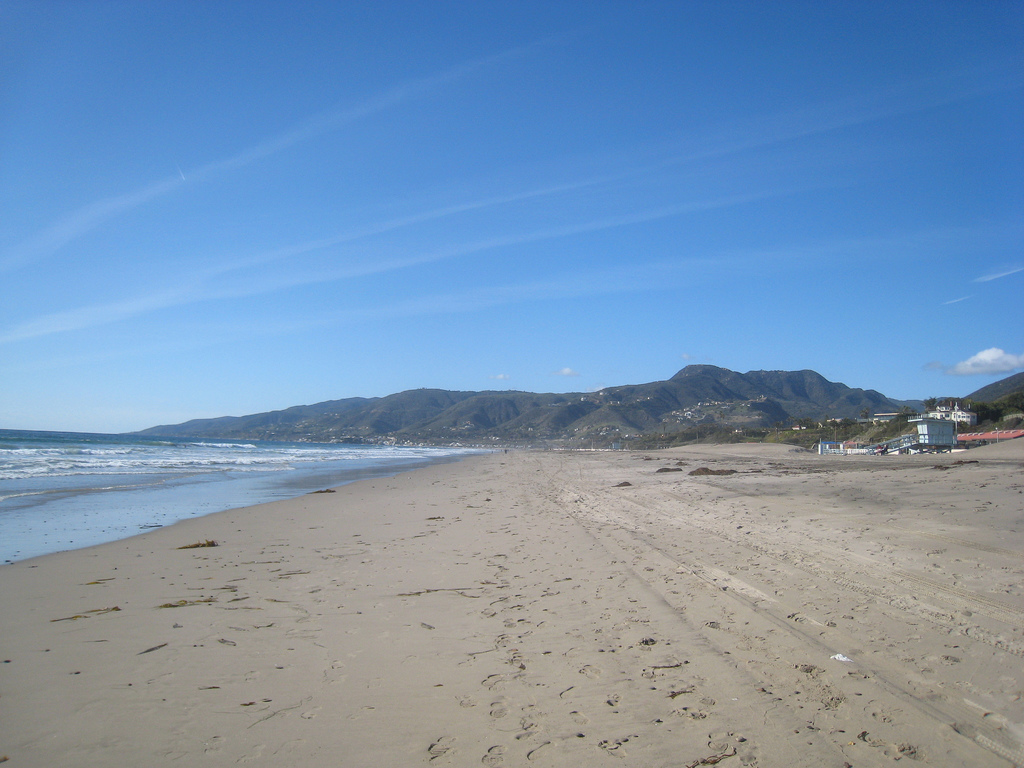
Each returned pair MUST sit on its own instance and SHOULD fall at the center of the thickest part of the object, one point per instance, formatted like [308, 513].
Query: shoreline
[526, 607]
[50, 514]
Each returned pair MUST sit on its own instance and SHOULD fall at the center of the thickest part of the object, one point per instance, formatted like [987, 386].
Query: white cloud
[500, 377]
[565, 372]
[988, 361]
[997, 275]
[957, 301]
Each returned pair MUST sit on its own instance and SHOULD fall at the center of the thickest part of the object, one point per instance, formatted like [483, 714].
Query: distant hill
[998, 389]
[696, 395]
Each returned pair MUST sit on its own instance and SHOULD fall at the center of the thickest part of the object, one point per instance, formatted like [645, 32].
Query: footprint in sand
[613, 747]
[719, 740]
[440, 748]
[213, 746]
[727, 744]
[494, 755]
[692, 714]
[589, 671]
[256, 754]
[493, 681]
[528, 729]
[498, 709]
[533, 753]
[334, 674]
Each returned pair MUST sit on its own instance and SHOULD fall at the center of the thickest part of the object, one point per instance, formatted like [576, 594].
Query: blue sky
[220, 208]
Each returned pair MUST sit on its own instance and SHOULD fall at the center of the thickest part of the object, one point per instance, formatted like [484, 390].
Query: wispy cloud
[564, 372]
[823, 117]
[997, 275]
[86, 218]
[93, 215]
[988, 361]
[216, 283]
[402, 222]
[93, 315]
[957, 301]
[339, 118]
[632, 277]
[764, 131]
[241, 279]
[500, 377]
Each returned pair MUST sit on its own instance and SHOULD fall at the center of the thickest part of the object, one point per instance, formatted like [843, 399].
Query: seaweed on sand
[183, 603]
[198, 544]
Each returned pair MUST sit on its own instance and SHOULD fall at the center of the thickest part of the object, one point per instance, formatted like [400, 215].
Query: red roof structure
[990, 437]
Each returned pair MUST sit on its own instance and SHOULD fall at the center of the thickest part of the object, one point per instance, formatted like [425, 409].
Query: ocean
[66, 490]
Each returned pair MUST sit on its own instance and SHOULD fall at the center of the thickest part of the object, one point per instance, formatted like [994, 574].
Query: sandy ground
[527, 609]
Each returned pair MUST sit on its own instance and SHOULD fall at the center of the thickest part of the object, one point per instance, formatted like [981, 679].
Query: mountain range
[696, 395]
[998, 389]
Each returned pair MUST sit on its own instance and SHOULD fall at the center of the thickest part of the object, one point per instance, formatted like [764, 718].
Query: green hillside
[697, 397]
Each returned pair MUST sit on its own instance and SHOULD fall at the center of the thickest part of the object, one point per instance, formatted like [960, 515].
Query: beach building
[951, 410]
[847, 448]
[852, 447]
[974, 439]
[935, 434]
[881, 418]
[932, 436]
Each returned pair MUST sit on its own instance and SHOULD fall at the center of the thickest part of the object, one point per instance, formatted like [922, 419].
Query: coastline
[63, 491]
[528, 607]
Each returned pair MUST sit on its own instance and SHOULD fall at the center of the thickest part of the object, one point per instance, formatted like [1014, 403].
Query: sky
[221, 208]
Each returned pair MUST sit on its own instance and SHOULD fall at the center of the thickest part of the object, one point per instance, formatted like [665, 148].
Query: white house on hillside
[951, 411]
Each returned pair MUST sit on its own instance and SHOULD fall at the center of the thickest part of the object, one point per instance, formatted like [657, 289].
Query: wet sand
[550, 609]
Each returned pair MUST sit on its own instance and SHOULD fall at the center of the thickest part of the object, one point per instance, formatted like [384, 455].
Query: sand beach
[747, 605]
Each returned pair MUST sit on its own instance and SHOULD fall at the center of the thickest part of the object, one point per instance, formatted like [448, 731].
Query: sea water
[65, 490]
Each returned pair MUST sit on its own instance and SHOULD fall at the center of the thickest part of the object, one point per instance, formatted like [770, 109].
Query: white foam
[66, 491]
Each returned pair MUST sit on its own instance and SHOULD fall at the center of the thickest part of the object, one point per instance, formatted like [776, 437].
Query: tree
[931, 402]
[987, 411]
[1014, 401]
